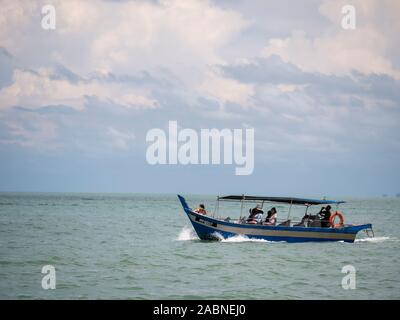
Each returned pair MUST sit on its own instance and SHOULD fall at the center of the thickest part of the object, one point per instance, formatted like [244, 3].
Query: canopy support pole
[216, 209]
[307, 220]
[290, 208]
[241, 207]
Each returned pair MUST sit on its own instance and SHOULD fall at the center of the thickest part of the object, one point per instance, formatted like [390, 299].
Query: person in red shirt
[201, 209]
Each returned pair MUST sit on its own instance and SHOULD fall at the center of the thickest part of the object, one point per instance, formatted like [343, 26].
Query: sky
[77, 101]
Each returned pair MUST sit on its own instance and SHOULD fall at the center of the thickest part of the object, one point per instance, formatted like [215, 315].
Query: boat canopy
[289, 200]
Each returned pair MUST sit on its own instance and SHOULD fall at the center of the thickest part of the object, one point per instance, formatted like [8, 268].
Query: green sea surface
[138, 246]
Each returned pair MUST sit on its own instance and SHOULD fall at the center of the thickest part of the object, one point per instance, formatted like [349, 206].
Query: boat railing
[282, 222]
[285, 223]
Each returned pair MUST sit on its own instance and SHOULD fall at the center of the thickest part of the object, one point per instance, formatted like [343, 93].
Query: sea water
[137, 246]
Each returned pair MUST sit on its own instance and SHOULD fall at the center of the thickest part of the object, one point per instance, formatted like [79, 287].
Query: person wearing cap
[255, 214]
[201, 209]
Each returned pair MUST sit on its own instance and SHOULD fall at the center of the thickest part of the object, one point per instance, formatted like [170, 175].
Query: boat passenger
[255, 215]
[308, 220]
[201, 209]
[325, 214]
[303, 221]
[271, 217]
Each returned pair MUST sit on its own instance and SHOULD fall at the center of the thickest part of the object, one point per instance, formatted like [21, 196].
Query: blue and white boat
[209, 227]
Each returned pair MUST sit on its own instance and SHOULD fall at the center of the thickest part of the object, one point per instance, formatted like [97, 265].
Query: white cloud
[289, 87]
[34, 90]
[123, 37]
[180, 42]
[338, 51]
[131, 100]
[121, 140]
[42, 133]
[226, 90]
[179, 35]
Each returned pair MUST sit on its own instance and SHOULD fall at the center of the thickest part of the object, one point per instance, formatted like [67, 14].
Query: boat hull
[208, 228]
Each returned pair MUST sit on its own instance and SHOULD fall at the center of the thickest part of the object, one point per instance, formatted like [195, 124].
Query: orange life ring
[332, 220]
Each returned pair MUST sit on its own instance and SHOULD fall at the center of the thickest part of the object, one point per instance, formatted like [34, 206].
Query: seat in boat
[285, 223]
